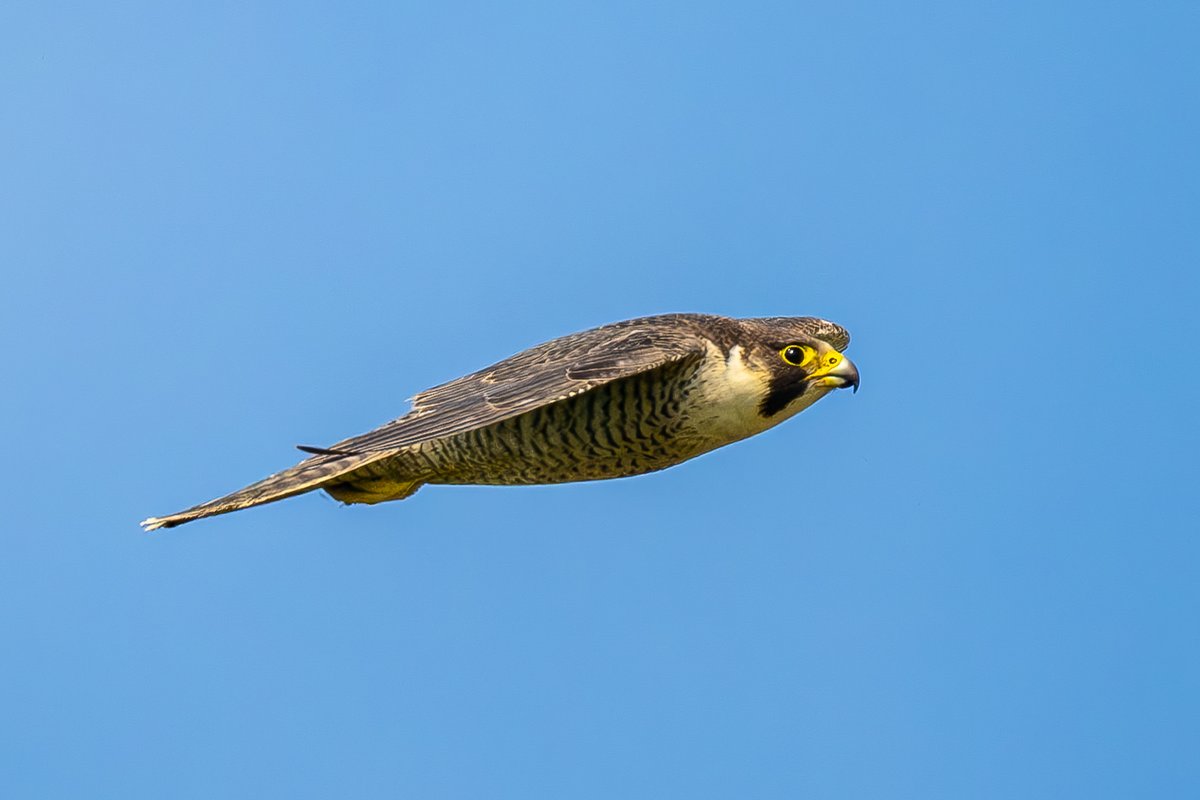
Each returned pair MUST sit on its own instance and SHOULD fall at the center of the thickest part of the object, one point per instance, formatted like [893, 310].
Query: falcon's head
[799, 359]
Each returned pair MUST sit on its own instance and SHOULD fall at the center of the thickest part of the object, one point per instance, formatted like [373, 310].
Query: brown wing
[543, 375]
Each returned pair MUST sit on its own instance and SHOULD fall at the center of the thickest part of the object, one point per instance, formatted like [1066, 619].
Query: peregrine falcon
[622, 399]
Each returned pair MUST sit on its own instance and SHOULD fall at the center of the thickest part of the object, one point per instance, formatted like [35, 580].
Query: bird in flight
[622, 399]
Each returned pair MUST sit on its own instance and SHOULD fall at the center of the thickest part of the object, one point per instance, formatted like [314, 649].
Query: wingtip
[152, 523]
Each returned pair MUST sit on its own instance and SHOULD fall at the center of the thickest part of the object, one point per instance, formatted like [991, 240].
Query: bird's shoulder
[580, 360]
[551, 372]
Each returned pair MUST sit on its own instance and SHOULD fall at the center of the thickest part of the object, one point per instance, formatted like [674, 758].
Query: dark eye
[793, 354]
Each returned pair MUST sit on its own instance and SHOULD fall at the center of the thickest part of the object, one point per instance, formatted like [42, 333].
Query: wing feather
[542, 375]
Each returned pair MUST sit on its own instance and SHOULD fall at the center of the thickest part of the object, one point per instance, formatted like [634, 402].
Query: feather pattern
[545, 374]
[622, 399]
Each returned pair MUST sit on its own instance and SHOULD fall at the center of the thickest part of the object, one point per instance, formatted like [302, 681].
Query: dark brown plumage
[622, 399]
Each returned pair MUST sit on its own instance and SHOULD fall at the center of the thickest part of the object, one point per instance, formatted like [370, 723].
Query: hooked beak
[838, 375]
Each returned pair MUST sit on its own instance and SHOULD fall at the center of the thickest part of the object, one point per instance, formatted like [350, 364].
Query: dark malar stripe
[782, 392]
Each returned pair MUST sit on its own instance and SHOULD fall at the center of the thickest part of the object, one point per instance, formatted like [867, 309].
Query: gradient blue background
[226, 228]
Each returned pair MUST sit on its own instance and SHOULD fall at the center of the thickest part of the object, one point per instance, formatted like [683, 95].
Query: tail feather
[310, 474]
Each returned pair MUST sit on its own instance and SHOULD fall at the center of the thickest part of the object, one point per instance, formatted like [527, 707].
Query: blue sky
[228, 228]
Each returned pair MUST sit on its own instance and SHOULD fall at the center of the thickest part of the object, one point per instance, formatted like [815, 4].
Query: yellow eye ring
[796, 355]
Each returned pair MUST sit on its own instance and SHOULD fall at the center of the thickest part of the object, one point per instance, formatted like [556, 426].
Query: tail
[312, 473]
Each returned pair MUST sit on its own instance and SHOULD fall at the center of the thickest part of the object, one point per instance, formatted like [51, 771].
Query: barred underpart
[618, 429]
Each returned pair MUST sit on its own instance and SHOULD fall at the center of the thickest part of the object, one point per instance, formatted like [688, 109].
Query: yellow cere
[828, 364]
